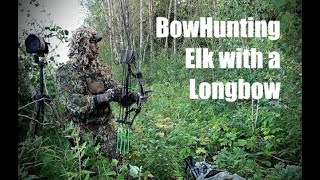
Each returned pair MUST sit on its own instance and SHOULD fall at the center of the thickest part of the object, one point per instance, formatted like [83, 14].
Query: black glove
[131, 99]
[105, 97]
[134, 96]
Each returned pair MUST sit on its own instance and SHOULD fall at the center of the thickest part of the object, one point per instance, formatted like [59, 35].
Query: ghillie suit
[80, 82]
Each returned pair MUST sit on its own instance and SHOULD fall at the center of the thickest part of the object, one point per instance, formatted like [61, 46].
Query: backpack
[203, 171]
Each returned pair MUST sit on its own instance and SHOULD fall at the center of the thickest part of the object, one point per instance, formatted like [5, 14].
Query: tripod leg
[32, 125]
[38, 118]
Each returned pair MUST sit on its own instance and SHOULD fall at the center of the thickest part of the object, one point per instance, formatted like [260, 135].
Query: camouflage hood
[79, 51]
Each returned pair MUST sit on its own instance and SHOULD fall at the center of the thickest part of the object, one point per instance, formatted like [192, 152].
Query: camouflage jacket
[77, 87]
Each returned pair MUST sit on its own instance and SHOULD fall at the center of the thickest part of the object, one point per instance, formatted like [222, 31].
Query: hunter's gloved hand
[105, 97]
[132, 98]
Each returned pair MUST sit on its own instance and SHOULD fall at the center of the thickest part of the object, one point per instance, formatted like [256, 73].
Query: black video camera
[36, 45]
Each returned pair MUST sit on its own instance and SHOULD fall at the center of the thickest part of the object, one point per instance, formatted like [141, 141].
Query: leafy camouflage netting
[79, 81]
[79, 50]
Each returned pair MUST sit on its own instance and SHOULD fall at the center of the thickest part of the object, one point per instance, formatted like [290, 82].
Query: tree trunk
[125, 19]
[141, 30]
[145, 47]
[109, 21]
[189, 7]
[175, 17]
[121, 23]
[169, 12]
[127, 24]
[151, 28]
[114, 39]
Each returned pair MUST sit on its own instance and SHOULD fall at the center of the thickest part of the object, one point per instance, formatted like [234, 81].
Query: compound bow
[128, 59]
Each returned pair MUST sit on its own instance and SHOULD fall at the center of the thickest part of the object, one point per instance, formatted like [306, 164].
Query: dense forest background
[257, 139]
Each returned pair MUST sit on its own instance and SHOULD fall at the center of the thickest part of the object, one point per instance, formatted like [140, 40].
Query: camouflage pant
[105, 134]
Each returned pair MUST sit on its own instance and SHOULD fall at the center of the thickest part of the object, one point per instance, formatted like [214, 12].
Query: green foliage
[45, 158]
[290, 172]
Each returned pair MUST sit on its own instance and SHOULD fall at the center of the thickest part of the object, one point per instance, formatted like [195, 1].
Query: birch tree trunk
[169, 12]
[111, 39]
[145, 47]
[114, 38]
[120, 24]
[141, 30]
[214, 2]
[126, 21]
[189, 7]
[151, 28]
[175, 17]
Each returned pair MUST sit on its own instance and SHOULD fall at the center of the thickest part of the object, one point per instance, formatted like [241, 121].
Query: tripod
[40, 97]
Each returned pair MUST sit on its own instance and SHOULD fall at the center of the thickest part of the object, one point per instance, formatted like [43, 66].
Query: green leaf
[121, 176]
[123, 168]
[269, 137]
[32, 177]
[241, 142]
[110, 173]
[200, 150]
[267, 163]
[66, 32]
[87, 177]
[134, 171]
[87, 172]
[47, 158]
[114, 162]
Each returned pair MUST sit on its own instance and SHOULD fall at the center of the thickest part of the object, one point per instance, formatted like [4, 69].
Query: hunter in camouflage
[86, 87]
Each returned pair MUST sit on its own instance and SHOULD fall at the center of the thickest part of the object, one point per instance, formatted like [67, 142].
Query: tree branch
[286, 161]
[33, 102]
[21, 115]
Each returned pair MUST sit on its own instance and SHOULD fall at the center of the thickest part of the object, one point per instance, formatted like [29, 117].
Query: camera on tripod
[36, 45]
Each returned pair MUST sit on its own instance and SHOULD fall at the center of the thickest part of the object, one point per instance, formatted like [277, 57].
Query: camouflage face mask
[79, 50]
